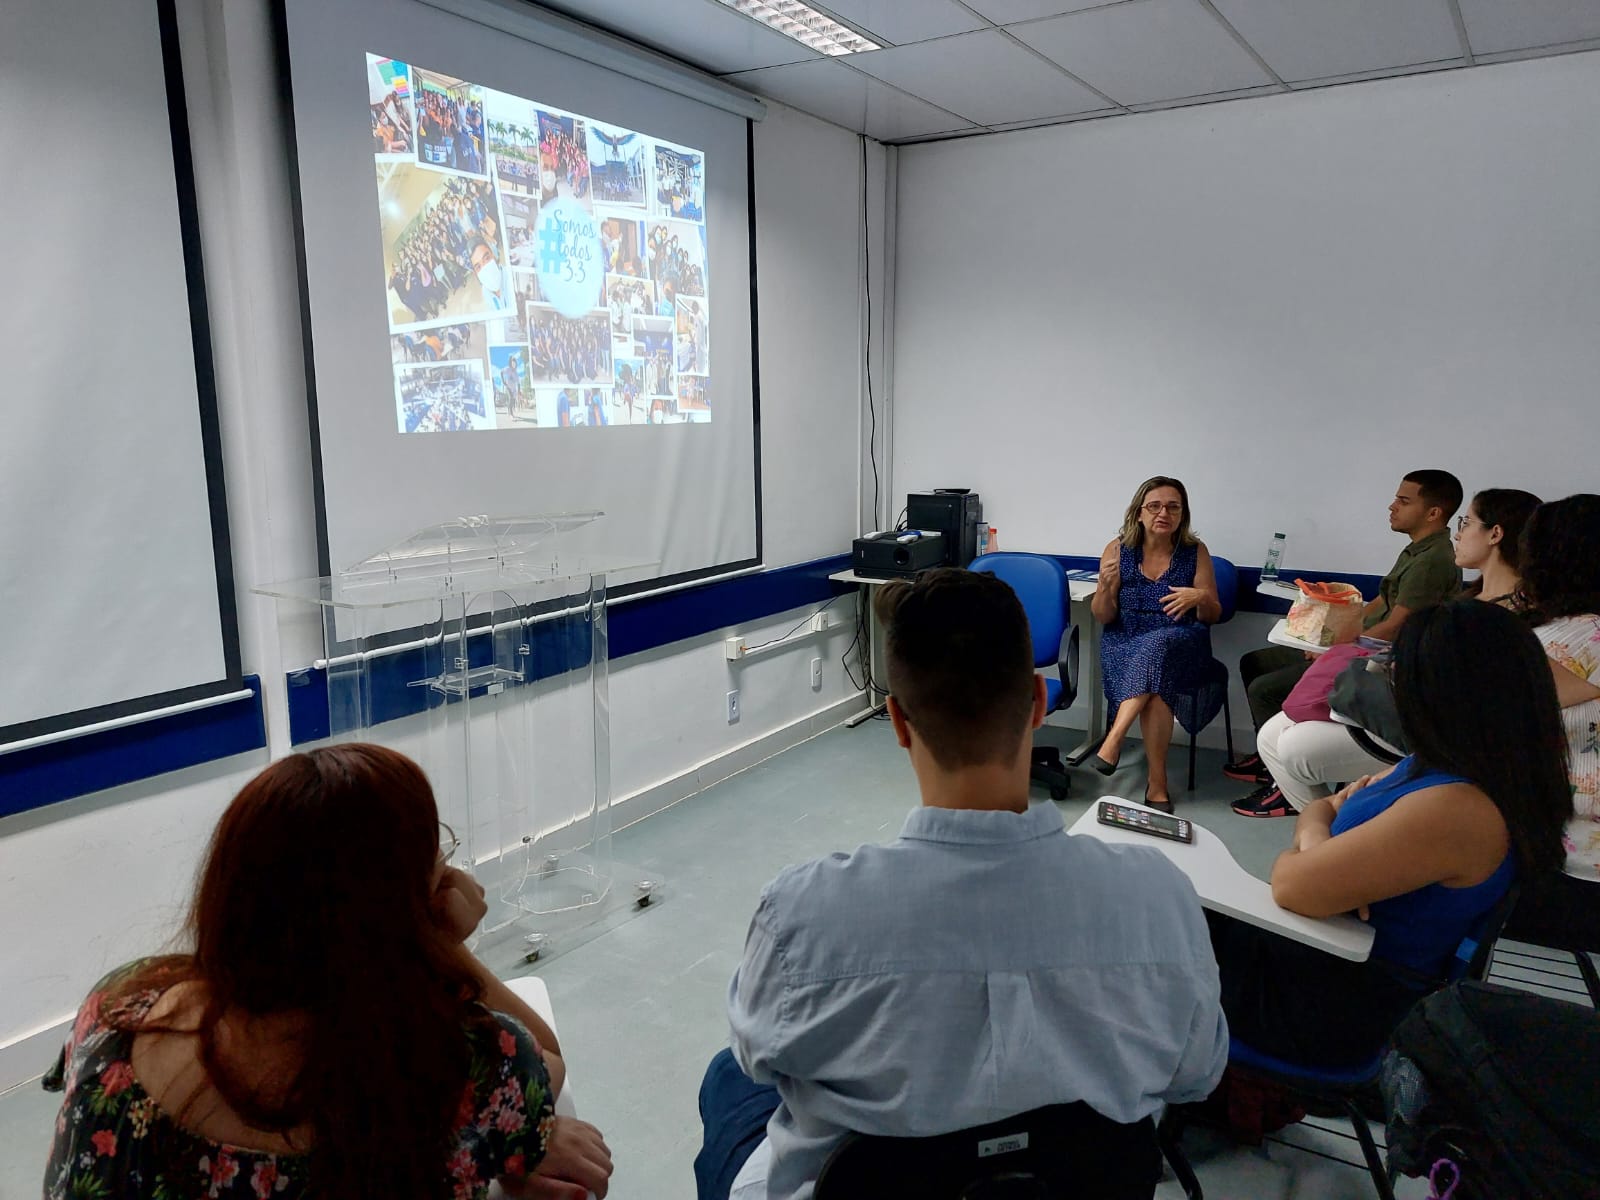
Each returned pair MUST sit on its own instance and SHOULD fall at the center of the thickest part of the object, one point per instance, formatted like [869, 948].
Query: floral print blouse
[1574, 644]
[113, 1141]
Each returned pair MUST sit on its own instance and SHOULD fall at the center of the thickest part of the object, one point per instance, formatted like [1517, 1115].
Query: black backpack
[1503, 1084]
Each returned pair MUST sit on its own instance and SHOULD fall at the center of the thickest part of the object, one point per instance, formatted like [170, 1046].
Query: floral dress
[113, 1141]
[1573, 643]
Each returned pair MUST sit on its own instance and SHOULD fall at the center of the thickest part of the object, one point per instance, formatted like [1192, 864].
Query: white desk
[1226, 887]
[875, 658]
[531, 991]
[1279, 636]
[1279, 589]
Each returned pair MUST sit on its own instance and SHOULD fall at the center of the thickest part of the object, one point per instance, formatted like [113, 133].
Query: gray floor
[640, 1007]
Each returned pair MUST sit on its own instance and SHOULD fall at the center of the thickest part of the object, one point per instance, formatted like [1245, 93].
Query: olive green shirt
[1424, 574]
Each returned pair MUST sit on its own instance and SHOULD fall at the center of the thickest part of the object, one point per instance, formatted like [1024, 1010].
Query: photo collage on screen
[541, 269]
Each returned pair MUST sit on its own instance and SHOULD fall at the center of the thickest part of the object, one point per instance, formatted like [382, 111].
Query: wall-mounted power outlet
[820, 622]
[733, 707]
[816, 674]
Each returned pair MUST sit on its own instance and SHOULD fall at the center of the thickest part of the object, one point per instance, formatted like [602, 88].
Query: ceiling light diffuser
[805, 25]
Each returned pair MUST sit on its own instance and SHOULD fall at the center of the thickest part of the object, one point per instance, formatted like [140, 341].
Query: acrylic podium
[478, 648]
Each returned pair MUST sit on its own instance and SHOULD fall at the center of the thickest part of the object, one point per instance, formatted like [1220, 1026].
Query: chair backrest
[1472, 955]
[1227, 587]
[1059, 1150]
[1040, 582]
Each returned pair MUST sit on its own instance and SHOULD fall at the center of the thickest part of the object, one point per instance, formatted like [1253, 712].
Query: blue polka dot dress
[1144, 650]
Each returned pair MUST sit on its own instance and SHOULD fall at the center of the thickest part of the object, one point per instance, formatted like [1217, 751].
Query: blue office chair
[1040, 583]
[1198, 707]
[1060, 1150]
[1352, 1092]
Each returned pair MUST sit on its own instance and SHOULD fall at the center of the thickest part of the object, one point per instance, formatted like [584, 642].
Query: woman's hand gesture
[1110, 576]
[1181, 600]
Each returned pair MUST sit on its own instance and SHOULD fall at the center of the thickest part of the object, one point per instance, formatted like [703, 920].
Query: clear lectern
[478, 647]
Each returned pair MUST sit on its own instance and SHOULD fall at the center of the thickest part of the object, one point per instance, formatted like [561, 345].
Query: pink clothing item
[1309, 700]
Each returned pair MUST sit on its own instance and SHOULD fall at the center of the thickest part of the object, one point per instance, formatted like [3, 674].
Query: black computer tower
[954, 512]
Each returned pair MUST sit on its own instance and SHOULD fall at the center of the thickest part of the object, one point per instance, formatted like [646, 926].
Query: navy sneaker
[1249, 769]
[1266, 801]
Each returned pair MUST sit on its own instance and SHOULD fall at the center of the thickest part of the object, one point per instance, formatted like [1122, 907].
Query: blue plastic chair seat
[1354, 1076]
[1052, 693]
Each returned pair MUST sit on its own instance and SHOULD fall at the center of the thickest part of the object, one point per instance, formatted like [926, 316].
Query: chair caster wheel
[1058, 794]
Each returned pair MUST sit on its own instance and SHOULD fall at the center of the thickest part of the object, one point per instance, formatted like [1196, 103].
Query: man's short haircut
[1438, 489]
[960, 663]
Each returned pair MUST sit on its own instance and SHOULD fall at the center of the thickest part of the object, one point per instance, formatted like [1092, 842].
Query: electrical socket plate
[733, 707]
[816, 674]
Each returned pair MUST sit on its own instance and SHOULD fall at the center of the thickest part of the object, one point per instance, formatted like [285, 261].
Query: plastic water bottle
[1269, 572]
[983, 538]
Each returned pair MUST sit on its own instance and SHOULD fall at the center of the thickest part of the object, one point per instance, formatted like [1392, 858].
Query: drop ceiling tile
[1315, 39]
[1269, 89]
[1044, 122]
[986, 77]
[834, 92]
[1540, 51]
[703, 32]
[893, 116]
[897, 22]
[1496, 25]
[1146, 50]
[1448, 64]
[1004, 12]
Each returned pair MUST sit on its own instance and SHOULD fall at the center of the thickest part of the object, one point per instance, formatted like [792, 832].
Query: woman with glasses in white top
[1488, 536]
[1156, 598]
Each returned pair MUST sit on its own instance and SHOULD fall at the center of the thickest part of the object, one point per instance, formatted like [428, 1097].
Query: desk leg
[875, 662]
[1097, 693]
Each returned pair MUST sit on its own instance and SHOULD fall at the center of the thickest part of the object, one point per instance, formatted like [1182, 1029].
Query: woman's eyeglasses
[449, 843]
[1463, 521]
[1155, 509]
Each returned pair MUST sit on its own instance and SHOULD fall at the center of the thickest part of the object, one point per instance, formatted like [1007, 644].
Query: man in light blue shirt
[981, 965]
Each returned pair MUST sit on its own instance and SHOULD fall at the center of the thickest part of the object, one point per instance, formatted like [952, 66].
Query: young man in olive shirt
[1425, 573]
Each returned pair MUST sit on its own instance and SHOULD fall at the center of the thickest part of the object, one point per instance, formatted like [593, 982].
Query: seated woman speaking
[1156, 596]
[1422, 851]
[329, 1034]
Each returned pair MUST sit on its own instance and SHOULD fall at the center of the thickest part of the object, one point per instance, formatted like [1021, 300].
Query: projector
[895, 555]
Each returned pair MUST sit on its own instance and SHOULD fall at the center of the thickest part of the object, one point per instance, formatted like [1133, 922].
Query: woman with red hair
[329, 1034]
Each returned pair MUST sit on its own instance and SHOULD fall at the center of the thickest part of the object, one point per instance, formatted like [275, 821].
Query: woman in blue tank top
[1422, 851]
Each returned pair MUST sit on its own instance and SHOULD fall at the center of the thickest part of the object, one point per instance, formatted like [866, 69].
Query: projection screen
[528, 287]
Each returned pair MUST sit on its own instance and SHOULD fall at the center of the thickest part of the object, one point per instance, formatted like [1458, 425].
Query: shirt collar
[973, 827]
[1426, 543]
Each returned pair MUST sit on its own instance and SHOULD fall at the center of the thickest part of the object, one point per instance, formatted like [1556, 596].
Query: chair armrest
[1370, 745]
[1067, 667]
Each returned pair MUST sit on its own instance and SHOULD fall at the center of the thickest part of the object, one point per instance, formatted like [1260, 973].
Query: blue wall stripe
[632, 628]
[91, 763]
[1251, 600]
[47, 774]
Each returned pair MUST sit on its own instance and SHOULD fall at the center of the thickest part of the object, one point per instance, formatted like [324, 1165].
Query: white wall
[1286, 301]
[91, 882]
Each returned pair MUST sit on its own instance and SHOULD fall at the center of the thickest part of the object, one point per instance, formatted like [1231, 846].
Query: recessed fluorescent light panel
[805, 25]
